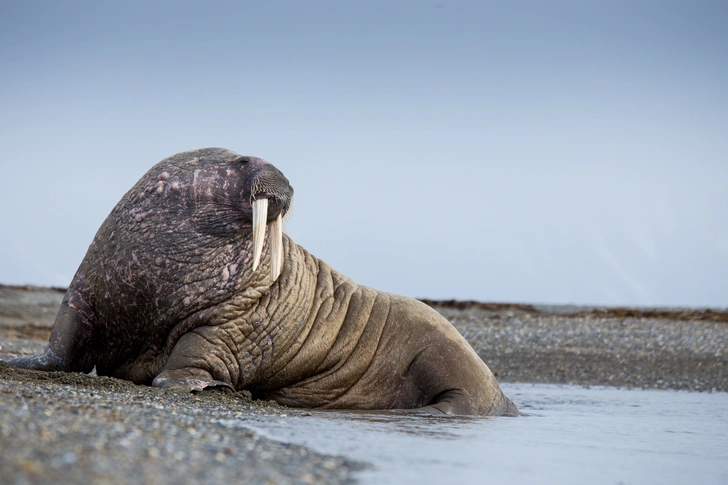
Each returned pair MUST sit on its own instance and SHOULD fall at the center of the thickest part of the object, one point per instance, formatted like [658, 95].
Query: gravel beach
[625, 347]
[73, 428]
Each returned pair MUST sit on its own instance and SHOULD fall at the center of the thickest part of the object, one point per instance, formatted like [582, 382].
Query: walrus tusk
[260, 214]
[275, 241]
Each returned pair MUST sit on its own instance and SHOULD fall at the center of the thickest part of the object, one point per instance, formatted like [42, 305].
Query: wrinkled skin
[166, 295]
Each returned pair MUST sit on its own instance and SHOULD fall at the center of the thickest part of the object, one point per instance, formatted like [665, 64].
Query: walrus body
[168, 295]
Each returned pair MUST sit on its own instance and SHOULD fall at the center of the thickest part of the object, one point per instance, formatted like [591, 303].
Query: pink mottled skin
[166, 295]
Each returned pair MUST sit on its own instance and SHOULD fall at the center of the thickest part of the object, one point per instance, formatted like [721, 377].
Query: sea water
[567, 434]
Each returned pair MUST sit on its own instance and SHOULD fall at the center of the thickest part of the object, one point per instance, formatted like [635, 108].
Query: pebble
[121, 437]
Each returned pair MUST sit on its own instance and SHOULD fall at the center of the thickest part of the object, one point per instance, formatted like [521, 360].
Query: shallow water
[568, 434]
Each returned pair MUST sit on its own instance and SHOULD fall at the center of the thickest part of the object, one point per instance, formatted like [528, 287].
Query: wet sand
[73, 428]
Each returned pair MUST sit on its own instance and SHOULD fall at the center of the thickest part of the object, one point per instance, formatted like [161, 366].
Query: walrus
[181, 288]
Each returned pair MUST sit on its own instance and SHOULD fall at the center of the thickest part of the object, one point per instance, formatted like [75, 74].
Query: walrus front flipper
[67, 349]
[191, 366]
[46, 361]
[188, 379]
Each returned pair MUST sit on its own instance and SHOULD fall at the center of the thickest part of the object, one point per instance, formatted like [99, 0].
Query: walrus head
[196, 220]
[225, 190]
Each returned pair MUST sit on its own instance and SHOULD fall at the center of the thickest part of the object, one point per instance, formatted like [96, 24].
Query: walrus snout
[271, 184]
[270, 199]
[262, 180]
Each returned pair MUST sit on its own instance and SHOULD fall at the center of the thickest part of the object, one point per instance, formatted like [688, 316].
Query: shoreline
[84, 428]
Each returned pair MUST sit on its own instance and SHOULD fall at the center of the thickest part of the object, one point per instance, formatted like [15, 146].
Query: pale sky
[541, 152]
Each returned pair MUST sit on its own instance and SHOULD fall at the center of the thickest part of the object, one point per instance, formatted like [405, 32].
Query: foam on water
[568, 434]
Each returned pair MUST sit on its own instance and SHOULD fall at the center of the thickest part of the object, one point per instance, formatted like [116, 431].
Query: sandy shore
[73, 428]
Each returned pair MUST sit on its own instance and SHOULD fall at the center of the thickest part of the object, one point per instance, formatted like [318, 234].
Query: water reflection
[441, 426]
